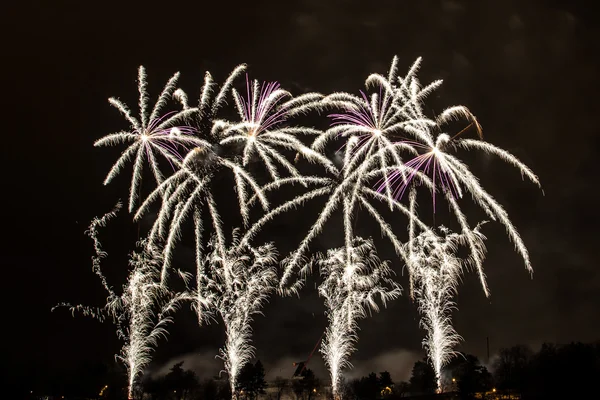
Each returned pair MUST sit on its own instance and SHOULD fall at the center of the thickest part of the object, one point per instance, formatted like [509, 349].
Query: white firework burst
[375, 120]
[344, 191]
[151, 135]
[261, 130]
[435, 269]
[141, 312]
[232, 283]
[190, 188]
[429, 146]
[354, 279]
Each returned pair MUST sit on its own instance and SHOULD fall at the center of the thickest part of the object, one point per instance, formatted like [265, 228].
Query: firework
[367, 126]
[344, 190]
[389, 147]
[431, 160]
[435, 271]
[151, 135]
[375, 120]
[233, 285]
[261, 130]
[353, 279]
[189, 189]
[141, 312]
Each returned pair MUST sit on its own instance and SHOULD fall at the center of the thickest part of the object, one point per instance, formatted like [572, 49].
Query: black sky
[527, 69]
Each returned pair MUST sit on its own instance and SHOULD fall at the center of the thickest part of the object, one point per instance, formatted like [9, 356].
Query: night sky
[527, 69]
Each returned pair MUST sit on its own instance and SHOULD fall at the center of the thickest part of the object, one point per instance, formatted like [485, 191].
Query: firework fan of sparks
[233, 282]
[366, 126]
[436, 269]
[141, 312]
[430, 147]
[344, 190]
[353, 280]
[375, 119]
[151, 135]
[261, 129]
[189, 189]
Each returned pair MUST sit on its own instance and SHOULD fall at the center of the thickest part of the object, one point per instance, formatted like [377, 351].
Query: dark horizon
[527, 71]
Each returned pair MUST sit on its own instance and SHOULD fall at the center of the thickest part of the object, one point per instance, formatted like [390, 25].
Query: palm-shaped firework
[447, 173]
[368, 127]
[389, 147]
[345, 189]
[149, 135]
[189, 190]
[233, 285]
[263, 112]
[375, 120]
[353, 280]
[261, 131]
[141, 312]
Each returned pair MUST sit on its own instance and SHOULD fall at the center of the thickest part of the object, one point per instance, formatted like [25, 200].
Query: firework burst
[343, 191]
[151, 135]
[353, 280]
[261, 129]
[433, 163]
[141, 312]
[189, 189]
[436, 270]
[374, 120]
[233, 285]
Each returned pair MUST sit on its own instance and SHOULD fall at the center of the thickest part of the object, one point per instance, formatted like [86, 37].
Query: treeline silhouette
[554, 372]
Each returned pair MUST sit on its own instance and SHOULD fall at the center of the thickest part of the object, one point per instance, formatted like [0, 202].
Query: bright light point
[144, 137]
[175, 132]
[377, 132]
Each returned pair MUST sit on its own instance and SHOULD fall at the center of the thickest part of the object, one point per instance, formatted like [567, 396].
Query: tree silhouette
[470, 375]
[367, 387]
[178, 383]
[251, 380]
[384, 382]
[209, 390]
[423, 378]
[401, 389]
[181, 382]
[568, 371]
[511, 368]
[156, 388]
[372, 387]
